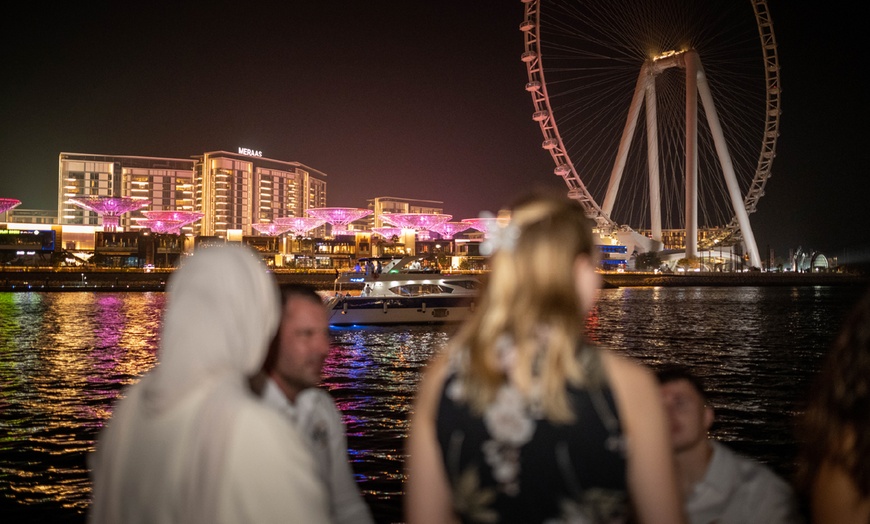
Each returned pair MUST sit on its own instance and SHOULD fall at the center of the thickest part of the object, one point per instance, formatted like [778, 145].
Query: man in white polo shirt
[289, 382]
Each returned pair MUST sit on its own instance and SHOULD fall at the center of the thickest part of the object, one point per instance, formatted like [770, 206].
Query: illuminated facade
[166, 182]
[30, 216]
[233, 191]
[236, 190]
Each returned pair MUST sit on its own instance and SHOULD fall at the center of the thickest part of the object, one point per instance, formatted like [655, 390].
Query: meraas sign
[249, 152]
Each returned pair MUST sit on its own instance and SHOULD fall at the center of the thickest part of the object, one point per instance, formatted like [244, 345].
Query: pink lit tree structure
[484, 224]
[448, 229]
[416, 221]
[270, 229]
[167, 221]
[8, 203]
[160, 226]
[339, 217]
[388, 232]
[421, 223]
[109, 208]
[300, 226]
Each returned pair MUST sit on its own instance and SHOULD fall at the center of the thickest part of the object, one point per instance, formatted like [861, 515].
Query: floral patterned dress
[513, 465]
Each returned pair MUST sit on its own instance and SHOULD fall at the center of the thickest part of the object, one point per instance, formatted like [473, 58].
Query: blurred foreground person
[190, 443]
[289, 383]
[834, 467]
[718, 485]
[521, 420]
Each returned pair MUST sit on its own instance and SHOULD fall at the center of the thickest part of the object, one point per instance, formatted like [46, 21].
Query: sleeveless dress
[513, 465]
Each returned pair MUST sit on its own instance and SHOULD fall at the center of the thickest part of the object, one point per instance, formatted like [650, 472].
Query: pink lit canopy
[169, 221]
[160, 226]
[300, 226]
[339, 217]
[448, 229]
[388, 232]
[110, 208]
[8, 203]
[270, 229]
[418, 221]
[485, 224]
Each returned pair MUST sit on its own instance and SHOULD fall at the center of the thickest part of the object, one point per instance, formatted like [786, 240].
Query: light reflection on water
[64, 358]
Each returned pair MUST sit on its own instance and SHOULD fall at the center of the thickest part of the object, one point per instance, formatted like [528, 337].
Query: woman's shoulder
[628, 378]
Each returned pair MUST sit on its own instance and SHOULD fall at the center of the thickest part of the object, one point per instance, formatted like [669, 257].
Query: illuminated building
[30, 216]
[237, 190]
[166, 182]
[232, 191]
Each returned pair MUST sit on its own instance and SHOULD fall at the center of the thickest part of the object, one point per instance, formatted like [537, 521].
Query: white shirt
[315, 416]
[739, 490]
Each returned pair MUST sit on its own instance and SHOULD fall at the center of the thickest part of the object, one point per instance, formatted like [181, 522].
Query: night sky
[406, 98]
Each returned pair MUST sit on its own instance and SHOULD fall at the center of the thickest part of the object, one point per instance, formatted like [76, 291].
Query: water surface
[65, 357]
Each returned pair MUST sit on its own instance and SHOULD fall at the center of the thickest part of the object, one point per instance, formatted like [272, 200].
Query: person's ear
[709, 416]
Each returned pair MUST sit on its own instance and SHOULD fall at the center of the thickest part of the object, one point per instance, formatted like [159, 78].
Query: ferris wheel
[660, 116]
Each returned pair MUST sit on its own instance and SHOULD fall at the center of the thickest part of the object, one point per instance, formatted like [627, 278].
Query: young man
[289, 382]
[718, 485]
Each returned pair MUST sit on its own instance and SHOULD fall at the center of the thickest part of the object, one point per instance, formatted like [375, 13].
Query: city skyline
[418, 100]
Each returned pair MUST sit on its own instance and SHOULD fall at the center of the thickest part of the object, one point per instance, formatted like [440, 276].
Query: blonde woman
[520, 420]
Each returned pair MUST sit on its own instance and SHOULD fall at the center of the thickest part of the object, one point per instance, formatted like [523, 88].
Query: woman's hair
[836, 425]
[530, 303]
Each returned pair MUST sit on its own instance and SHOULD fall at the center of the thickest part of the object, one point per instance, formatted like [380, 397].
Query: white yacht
[401, 291]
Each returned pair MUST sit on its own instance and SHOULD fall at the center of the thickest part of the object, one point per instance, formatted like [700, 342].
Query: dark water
[64, 358]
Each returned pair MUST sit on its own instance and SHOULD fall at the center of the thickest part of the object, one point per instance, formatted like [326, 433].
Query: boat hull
[348, 311]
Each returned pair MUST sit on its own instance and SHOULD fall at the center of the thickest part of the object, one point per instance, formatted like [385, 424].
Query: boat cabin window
[416, 290]
[467, 284]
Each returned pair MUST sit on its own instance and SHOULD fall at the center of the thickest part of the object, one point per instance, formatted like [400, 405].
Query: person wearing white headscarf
[190, 443]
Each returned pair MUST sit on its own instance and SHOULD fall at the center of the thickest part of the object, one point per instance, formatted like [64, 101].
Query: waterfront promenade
[155, 280]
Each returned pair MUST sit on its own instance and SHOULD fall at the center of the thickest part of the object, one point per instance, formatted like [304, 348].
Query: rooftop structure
[300, 226]
[109, 208]
[339, 217]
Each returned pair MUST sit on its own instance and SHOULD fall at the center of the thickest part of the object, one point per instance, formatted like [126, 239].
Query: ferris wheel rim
[553, 142]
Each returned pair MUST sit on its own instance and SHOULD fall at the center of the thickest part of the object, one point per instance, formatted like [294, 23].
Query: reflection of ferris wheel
[624, 79]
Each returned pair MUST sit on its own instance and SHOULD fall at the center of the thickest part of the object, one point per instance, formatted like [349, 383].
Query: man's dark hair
[674, 372]
[289, 291]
